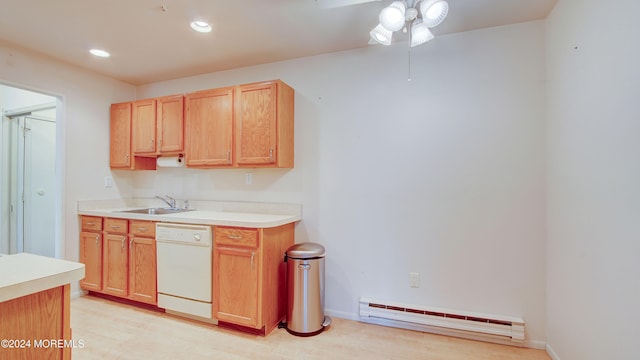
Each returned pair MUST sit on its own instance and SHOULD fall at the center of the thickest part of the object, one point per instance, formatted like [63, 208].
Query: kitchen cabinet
[264, 125]
[142, 261]
[170, 124]
[116, 257]
[236, 265]
[249, 287]
[35, 300]
[248, 125]
[91, 252]
[143, 127]
[124, 264]
[158, 126]
[209, 128]
[120, 154]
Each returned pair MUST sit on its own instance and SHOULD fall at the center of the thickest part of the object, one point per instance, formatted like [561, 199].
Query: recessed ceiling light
[201, 26]
[99, 53]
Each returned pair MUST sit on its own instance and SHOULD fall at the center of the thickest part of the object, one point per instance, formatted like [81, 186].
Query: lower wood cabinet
[249, 287]
[91, 252]
[120, 260]
[142, 261]
[115, 264]
[237, 272]
[249, 273]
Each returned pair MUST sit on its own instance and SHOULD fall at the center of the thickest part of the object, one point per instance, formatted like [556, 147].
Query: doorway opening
[29, 192]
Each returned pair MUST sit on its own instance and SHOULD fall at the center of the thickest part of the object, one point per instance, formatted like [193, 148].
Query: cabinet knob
[97, 240]
[271, 154]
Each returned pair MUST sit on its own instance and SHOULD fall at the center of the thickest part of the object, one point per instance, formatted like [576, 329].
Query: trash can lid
[306, 250]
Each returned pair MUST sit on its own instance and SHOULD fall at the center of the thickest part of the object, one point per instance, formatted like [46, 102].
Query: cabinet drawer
[142, 228]
[91, 223]
[115, 226]
[235, 236]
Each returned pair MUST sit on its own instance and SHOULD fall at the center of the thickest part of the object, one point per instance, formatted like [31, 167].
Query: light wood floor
[111, 330]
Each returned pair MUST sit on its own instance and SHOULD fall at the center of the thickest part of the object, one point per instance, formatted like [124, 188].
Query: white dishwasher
[184, 260]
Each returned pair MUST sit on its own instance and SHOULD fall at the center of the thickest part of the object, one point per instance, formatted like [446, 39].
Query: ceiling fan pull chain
[409, 72]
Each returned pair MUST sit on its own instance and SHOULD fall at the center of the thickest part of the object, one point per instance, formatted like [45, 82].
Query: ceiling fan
[414, 17]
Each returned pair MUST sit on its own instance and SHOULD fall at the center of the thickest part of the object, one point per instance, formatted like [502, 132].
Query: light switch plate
[108, 181]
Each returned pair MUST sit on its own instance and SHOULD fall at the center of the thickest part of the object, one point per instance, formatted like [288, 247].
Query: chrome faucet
[168, 200]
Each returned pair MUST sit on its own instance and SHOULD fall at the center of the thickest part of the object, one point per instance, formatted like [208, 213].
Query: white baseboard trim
[552, 354]
[532, 344]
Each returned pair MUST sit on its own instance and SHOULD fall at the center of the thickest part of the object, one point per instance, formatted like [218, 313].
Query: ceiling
[148, 44]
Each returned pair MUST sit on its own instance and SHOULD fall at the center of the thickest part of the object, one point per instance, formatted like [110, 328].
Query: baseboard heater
[498, 329]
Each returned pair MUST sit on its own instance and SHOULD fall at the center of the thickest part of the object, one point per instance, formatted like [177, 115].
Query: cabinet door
[142, 269]
[120, 132]
[236, 294]
[91, 257]
[143, 123]
[256, 124]
[116, 262]
[209, 128]
[171, 124]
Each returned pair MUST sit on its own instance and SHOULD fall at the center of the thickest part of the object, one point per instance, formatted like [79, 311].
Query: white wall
[83, 128]
[443, 175]
[593, 247]
[15, 98]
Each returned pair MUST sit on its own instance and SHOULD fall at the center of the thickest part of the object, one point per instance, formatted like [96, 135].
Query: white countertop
[253, 215]
[25, 274]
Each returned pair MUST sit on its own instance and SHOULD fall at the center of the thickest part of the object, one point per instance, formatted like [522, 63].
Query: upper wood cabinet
[158, 126]
[264, 125]
[120, 154]
[120, 131]
[143, 125]
[248, 125]
[209, 128]
[170, 124]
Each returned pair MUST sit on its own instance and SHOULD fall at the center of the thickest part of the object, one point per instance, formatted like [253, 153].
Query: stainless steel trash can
[305, 289]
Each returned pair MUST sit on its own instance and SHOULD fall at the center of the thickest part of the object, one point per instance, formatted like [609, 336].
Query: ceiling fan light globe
[392, 17]
[420, 33]
[381, 35]
[433, 12]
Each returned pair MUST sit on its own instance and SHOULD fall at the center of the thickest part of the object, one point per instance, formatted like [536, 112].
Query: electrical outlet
[414, 280]
[108, 181]
[248, 178]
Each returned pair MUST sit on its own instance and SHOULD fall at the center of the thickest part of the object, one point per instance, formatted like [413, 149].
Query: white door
[36, 183]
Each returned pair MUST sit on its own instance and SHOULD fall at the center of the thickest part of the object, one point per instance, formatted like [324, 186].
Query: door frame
[59, 216]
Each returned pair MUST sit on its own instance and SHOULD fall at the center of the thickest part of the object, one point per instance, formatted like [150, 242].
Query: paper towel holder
[170, 161]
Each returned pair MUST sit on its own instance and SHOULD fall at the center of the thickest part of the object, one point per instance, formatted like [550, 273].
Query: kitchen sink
[156, 211]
